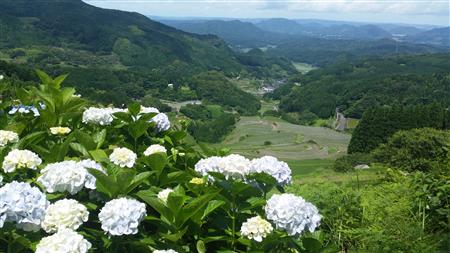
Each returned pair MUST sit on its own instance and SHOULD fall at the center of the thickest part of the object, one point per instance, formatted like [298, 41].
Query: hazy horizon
[407, 12]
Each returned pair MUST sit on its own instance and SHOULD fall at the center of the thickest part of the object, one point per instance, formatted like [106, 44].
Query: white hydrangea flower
[65, 213]
[60, 130]
[256, 228]
[155, 148]
[63, 176]
[123, 157]
[8, 137]
[23, 204]
[164, 194]
[165, 251]
[122, 216]
[231, 166]
[162, 122]
[100, 116]
[148, 110]
[19, 159]
[65, 240]
[90, 179]
[272, 166]
[292, 213]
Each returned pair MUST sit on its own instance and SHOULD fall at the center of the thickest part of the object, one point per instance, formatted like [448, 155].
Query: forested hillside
[114, 56]
[355, 87]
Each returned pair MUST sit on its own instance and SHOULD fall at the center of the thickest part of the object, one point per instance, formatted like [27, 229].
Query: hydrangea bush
[78, 177]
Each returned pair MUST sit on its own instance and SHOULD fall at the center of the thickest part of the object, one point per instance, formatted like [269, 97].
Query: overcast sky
[434, 12]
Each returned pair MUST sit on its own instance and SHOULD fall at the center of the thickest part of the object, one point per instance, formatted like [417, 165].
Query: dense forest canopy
[356, 87]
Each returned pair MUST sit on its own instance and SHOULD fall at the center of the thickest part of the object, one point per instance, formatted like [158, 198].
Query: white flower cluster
[272, 166]
[65, 240]
[8, 137]
[19, 159]
[123, 157]
[64, 213]
[23, 204]
[165, 251]
[122, 216]
[100, 116]
[231, 166]
[148, 110]
[68, 176]
[292, 213]
[256, 228]
[164, 194]
[236, 166]
[59, 130]
[162, 122]
[155, 148]
[90, 179]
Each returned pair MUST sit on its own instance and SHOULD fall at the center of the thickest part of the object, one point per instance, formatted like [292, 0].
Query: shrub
[267, 143]
[127, 197]
[378, 124]
[418, 149]
[348, 162]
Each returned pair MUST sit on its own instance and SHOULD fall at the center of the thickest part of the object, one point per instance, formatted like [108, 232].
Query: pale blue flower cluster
[122, 216]
[238, 167]
[68, 176]
[292, 213]
[272, 166]
[162, 122]
[24, 109]
[23, 204]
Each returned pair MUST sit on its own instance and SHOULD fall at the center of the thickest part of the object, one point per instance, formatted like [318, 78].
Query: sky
[432, 12]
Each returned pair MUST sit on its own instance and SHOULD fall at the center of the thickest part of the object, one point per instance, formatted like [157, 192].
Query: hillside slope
[130, 39]
[356, 87]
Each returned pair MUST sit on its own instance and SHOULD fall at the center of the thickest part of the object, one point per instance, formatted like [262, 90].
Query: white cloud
[419, 11]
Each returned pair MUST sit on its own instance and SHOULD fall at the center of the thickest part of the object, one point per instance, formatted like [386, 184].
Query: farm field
[303, 67]
[257, 136]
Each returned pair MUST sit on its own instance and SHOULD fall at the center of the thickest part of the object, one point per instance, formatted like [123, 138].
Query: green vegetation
[209, 123]
[378, 124]
[289, 142]
[216, 88]
[422, 149]
[354, 88]
[303, 67]
[323, 52]
[399, 204]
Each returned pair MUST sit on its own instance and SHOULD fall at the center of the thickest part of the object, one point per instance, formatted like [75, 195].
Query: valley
[194, 125]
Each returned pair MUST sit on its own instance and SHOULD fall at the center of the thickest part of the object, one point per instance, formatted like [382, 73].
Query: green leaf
[99, 155]
[138, 128]
[126, 117]
[138, 179]
[311, 244]
[79, 148]
[156, 161]
[124, 179]
[134, 108]
[31, 139]
[85, 139]
[201, 248]
[45, 79]
[105, 183]
[175, 202]
[196, 206]
[99, 138]
[212, 205]
[156, 204]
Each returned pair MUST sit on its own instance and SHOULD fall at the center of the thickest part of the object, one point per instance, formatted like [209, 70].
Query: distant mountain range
[280, 30]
